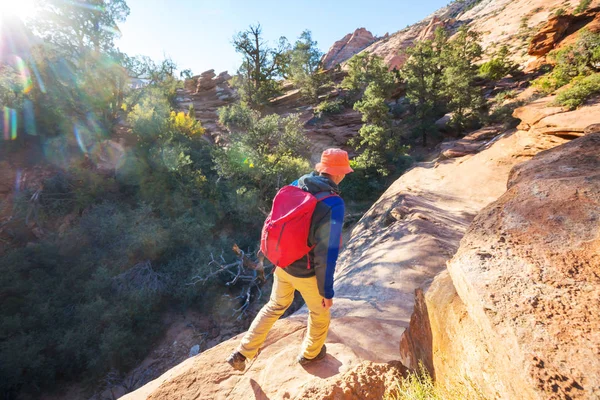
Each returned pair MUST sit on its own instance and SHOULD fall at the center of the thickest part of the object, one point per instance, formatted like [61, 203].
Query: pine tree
[305, 66]
[422, 74]
[261, 66]
[465, 100]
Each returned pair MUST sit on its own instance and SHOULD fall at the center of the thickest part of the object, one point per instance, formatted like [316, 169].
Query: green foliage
[328, 107]
[577, 60]
[186, 74]
[559, 12]
[381, 146]
[75, 30]
[499, 66]
[365, 69]
[422, 74]
[581, 89]
[418, 385]
[465, 100]
[256, 81]
[582, 6]
[264, 153]
[159, 76]
[304, 67]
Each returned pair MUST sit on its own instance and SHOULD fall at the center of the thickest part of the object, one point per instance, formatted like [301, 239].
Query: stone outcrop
[497, 24]
[547, 119]
[559, 27]
[513, 313]
[547, 38]
[470, 144]
[348, 46]
[528, 272]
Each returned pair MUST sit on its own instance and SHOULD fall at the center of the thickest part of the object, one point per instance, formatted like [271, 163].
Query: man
[311, 275]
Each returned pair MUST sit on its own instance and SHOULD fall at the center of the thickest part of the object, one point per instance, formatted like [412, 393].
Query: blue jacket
[325, 234]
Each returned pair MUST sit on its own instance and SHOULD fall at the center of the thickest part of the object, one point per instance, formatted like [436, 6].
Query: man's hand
[327, 303]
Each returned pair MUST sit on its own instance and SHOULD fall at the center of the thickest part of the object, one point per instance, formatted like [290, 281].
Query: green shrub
[418, 385]
[580, 90]
[559, 12]
[579, 59]
[328, 107]
[583, 5]
[503, 96]
[503, 114]
[499, 66]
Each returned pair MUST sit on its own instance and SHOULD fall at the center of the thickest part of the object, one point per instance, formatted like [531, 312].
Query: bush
[328, 107]
[418, 385]
[579, 59]
[580, 90]
[583, 5]
[499, 66]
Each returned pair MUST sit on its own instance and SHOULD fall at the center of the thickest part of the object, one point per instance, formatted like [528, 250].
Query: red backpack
[284, 236]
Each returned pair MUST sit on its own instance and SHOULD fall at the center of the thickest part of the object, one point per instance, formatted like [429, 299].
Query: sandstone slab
[528, 272]
[537, 110]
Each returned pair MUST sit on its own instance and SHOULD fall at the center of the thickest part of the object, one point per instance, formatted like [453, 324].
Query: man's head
[335, 164]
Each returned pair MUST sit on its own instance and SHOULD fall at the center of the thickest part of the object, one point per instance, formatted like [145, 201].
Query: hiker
[311, 269]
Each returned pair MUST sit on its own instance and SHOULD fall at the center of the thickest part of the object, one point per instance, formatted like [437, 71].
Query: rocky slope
[399, 245]
[499, 22]
[516, 313]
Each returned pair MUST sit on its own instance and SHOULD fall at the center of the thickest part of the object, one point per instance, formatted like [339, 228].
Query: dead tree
[245, 270]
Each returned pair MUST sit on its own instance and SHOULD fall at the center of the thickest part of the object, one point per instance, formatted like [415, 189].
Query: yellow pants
[282, 296]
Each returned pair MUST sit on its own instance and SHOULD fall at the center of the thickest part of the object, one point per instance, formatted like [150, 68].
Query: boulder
[534, 112]
[442, 123]
[222, 77]
[291, 98]
[573, 123]
[470, 144]
[528, 273]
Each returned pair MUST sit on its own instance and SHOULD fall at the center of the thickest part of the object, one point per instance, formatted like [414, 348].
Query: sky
[197, 34]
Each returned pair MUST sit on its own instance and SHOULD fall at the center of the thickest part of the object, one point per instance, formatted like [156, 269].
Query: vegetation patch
[580, 90]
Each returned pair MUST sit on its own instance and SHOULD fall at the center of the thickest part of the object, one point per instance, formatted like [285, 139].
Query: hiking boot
[237, 361]
[305, 361]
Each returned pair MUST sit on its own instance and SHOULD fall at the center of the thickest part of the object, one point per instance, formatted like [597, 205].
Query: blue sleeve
[327, 249]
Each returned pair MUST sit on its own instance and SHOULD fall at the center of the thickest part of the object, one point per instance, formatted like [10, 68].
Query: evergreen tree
[305, 66]
[381, 147]
[261, 66]
[422, 74]
[364, 69]
[465, 100]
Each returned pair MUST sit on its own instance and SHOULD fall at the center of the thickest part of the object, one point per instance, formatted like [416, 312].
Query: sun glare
[22, 9]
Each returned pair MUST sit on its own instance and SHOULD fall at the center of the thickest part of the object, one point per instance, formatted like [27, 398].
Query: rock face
[559, 27]
[528, 271]
[516, 313]
[547, 38]
[348, 46]
[549, 120]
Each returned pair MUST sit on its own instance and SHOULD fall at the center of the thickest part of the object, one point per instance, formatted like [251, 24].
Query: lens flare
[29, 118]
[78, 137]
[83, 4]
[18, 181]
[38, 78]
[13, 125]
[24, 74]
[6, 123]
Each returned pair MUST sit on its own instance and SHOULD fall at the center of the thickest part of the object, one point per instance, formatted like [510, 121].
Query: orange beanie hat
[334, 162]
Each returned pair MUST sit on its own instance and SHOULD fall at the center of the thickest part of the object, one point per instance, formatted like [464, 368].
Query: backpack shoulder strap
[324, 195]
